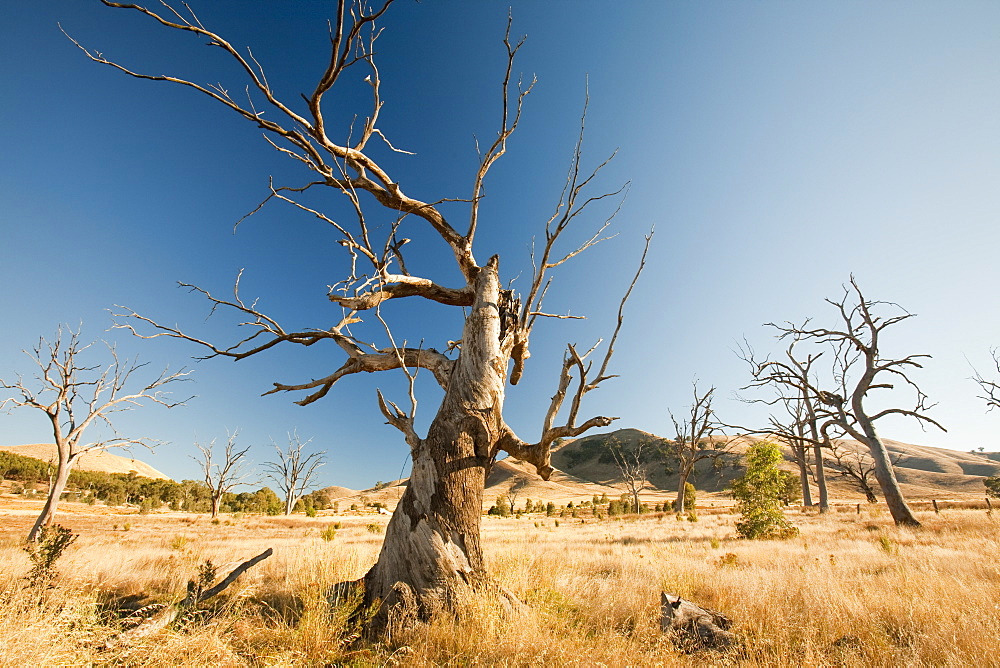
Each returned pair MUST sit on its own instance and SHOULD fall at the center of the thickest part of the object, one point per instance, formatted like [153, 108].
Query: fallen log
[170, 613]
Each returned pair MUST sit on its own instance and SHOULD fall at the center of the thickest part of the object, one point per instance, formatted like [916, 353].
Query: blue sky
[777, 147]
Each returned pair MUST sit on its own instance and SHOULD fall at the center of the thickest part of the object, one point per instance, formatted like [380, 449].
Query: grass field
[850, 590]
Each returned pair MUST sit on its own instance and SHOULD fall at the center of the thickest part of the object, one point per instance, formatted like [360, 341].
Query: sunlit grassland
[849, 590]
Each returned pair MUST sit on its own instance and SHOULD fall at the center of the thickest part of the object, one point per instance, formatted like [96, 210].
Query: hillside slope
[104, 462]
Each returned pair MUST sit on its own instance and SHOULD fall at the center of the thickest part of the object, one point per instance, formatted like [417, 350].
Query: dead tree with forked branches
[859, 368]
[632, 462]
[294, 470]
[431, 553]
[856, 465]
[222, 477]
[694, 441]
[75, 396]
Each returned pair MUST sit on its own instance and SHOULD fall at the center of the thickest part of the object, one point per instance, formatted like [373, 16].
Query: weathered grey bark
[680, 503]
[432, 541]
[47, 517]
[884, 472]
[800, 459]
[820, 469]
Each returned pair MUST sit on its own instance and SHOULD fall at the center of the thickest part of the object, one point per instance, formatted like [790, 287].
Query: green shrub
[328, 533]
[375, 528]
[759, 493]
[992, 487]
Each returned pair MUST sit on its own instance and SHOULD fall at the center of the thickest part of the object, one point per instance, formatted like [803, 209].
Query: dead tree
[222, 477]
[856, 465]
[431, 553]
[292, 472]
[858, 368]
[75, 396]
[694, 441]
[632, 463]
[990, 388]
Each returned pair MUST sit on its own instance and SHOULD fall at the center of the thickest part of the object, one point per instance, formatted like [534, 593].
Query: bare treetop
[74, 397]
[990, 388]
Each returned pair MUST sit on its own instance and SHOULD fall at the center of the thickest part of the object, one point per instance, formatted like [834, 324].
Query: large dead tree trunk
[432, 541]
[884, 472]
[820, 471]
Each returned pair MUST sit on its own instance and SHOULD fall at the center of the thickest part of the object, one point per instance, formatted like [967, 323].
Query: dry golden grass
[850, 590]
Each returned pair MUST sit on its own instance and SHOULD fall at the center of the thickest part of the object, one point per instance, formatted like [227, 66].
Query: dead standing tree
[293, 471]
[858, 368]
[431, 554]
[855, 464]
[632, 462]
[221, 478]
[694, 442]
[74, 397]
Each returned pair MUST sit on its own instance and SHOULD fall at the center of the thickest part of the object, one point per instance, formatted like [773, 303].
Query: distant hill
[923, 472]
[92, 461]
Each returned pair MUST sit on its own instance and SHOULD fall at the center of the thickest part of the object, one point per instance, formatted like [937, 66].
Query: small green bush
[759, 493]
[328, 533]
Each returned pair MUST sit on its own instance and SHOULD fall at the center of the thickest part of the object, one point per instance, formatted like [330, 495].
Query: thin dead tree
[858, 368]
[632, 462]
[990, 388]
[432, 552]
[75, 396]
[293, 471]
[694, 441]
[222, 477]
[856, 465]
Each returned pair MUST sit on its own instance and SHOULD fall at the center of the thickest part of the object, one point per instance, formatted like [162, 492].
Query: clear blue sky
[776, 146]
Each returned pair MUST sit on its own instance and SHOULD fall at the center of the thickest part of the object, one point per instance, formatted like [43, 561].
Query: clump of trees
[760, 494]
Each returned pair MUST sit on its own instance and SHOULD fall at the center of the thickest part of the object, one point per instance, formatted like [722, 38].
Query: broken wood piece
[692, 626]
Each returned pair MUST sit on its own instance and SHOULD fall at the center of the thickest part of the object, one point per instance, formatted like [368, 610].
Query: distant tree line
[116, 489]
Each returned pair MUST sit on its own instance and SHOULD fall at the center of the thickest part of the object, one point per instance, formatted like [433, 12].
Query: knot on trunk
[509, 306]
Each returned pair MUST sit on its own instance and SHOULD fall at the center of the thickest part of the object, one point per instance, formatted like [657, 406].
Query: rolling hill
[92, 461]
